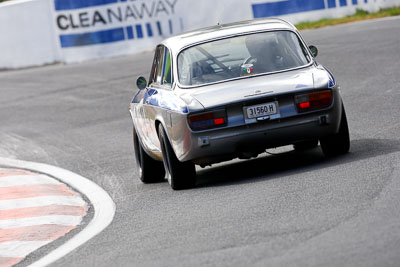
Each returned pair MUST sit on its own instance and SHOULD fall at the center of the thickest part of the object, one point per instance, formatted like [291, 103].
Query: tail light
[209, 120]
[312, 101]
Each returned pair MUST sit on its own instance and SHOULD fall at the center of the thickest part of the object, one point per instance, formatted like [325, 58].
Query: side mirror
[314, 50]
[141, 83]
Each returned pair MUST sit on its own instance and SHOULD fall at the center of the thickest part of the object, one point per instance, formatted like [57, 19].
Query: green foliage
[359, 15]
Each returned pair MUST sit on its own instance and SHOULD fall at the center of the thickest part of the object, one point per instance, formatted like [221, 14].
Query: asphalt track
[289, 209]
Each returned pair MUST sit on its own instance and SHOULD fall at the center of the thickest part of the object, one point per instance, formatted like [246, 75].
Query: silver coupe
[233, 91]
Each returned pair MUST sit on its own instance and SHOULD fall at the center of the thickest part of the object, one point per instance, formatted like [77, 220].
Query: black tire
[337, 144]
[305, 145]
[150, 170]
[180, 175]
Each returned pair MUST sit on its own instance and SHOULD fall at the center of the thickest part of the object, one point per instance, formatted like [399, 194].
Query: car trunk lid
[253, 87]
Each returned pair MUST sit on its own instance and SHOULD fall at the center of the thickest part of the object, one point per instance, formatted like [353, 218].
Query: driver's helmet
[263, 49]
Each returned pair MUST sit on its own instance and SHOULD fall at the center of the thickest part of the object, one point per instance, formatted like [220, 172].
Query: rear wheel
[180, 175]
[150, 170]
[338, 143]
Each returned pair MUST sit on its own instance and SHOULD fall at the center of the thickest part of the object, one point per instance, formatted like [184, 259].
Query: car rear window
[241, 56]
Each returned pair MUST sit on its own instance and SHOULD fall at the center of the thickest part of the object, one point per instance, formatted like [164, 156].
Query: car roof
[176, 43]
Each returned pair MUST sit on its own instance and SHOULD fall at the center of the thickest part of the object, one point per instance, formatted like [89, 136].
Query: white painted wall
[30, 35]
[27, 36]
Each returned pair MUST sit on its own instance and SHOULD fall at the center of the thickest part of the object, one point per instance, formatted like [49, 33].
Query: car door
[141, 100]
[158, 94]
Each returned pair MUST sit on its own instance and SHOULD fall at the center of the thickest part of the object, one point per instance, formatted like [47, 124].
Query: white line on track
[10, 204]
[19, 180]
[18, 249]
[104, 207]
[33, 221]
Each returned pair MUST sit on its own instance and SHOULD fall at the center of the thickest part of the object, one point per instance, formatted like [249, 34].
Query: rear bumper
[220, 145]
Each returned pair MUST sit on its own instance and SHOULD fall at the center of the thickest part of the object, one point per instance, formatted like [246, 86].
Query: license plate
[261, 110]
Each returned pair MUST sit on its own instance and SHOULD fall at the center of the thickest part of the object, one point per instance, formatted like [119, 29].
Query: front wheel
[339, 143]
[150, 170]
[180, 175]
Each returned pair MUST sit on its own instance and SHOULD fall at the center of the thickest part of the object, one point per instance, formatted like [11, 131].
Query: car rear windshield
[241, 56]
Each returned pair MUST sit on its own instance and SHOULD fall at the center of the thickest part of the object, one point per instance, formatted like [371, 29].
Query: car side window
[167, 73]
[160, 63]
[157, 64]
[161, 71]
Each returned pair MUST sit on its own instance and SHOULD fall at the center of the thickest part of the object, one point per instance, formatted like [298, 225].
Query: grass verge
[359, 15]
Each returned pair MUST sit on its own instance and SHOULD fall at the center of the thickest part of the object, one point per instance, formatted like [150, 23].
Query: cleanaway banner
[98, 28]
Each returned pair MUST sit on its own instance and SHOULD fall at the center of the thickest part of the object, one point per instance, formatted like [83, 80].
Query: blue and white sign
[262, 9]
[92, 23]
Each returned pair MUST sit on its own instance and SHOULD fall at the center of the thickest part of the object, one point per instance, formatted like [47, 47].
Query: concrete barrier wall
[27, 34]
[36, 32]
